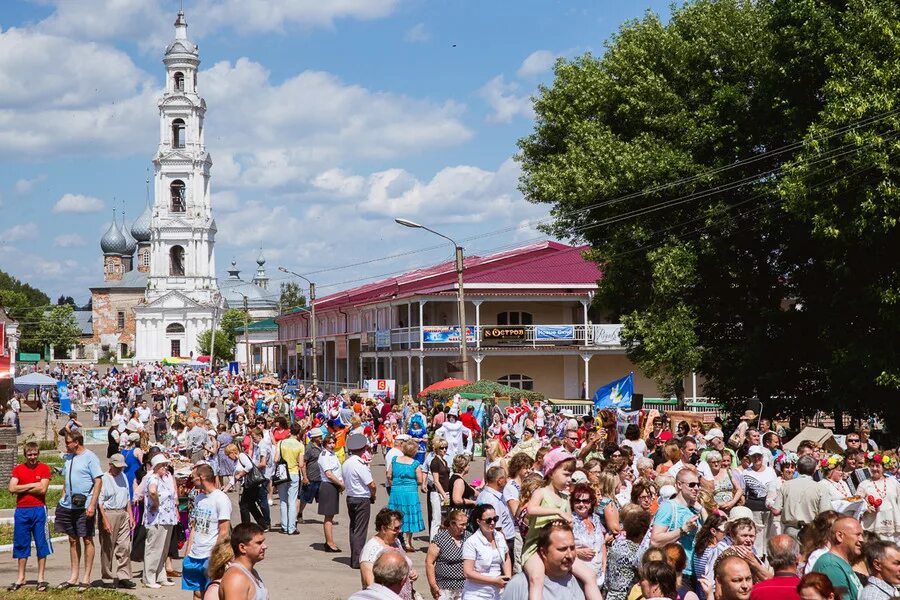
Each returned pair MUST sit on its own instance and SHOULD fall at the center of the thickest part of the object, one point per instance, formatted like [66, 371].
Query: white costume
[453, 432]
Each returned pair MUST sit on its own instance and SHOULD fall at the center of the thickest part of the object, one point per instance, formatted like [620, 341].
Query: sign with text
[381, 388]
[383, 339]
[503, 333]
[554, 332]
[444, 334]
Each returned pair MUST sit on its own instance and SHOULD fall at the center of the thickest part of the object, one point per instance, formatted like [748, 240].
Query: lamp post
[246, 331]
[212, 345]
[460, 294]
[312, 318]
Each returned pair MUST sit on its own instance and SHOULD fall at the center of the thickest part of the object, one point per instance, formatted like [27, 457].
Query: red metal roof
[544, 263]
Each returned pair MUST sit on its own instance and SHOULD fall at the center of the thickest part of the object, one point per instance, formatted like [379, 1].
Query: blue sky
[325, 121]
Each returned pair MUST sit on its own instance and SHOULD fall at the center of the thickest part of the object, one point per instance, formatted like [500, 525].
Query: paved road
[293, 563]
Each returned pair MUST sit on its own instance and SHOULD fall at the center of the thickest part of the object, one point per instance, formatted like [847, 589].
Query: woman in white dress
[833, 484]
[882, 496]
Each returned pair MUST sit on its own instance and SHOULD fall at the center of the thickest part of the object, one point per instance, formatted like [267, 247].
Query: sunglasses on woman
[491, 521]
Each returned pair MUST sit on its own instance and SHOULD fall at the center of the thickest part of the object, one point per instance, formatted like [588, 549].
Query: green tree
[224, 344]
[25, 304]
[59, 328]
[725, 247]
[291, 296]
[233, 320]
[66, 300]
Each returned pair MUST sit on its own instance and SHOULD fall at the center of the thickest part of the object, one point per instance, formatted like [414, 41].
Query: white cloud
[503, 99]
[68, 240]
[78, 203]
[25, 186]
[24, 231]
[225, 201]
[536, 63]
[150, 24]
[417, 33]
[340, 183]
[312, 122]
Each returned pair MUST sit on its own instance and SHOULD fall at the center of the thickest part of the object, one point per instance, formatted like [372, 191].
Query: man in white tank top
[241, 581]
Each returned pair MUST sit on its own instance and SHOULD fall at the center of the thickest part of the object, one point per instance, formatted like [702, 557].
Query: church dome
[113, 242]
[130, 242]
[140, 229]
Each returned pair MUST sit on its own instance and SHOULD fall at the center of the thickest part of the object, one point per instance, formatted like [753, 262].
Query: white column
[587, 374]
[421, 372]
[477, 304]
[409, 375]
[421, 328]
[478, 358]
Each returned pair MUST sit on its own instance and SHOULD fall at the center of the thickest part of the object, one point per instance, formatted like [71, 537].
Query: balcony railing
[497, 336]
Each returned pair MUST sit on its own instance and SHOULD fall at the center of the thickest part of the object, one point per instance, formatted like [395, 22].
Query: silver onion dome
[113, 242]
[140, 229]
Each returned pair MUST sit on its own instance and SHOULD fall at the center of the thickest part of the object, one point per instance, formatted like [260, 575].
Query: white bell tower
[182, 294]
[183, 239]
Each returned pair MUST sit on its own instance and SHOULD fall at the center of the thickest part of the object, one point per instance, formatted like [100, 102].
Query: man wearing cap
[116, 523]
[458, 436]
[715, 440]
[310, 474]
[360, 494]
[757, 479]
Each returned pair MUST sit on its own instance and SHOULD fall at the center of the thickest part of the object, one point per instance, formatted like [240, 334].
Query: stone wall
[106, 305]
[8, 451]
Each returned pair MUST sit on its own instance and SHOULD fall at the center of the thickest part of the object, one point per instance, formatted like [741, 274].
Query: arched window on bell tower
[177, 192]
[176, 261]
[178, 79]
[178, 133]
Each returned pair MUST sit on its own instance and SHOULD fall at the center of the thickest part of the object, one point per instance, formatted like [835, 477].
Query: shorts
[31, 523]
[309, 493]
[193, 574]
[74, 522]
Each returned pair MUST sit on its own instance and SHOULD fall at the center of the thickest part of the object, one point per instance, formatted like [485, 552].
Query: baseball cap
[755, 450]
[714, 433]
[158, 460]
[117, 460]
[740, 512]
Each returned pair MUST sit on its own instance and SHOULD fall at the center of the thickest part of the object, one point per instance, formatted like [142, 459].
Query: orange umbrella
[441, 385]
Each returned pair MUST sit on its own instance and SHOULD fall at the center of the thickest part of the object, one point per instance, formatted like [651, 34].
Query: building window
[514, 317]
[123, 350]
[175, 328]
[522, 382]
[120, 320]
[177, 192]
[179, 81]
[178, 133]
[145, 258]
[176, 348]
[176, 261]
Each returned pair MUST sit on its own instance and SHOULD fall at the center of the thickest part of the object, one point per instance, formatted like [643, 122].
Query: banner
[503, 333]
[444, 334]
[234, 368]
[383, 339]
[65, 403]
[554, 332]
[384, 389]
[615, 394]
[624, 419]
[2, 339]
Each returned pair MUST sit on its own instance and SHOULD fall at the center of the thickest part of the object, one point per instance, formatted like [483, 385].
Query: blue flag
[615, 394]
[65, 403]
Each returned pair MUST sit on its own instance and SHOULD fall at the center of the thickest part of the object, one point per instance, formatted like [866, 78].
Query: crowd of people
[568, 507]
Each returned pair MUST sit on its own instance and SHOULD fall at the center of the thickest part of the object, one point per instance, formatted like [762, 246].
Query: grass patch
[70, 594]
[8, 500]
[6, 533]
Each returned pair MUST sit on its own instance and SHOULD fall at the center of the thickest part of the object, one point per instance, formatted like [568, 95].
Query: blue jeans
[287, 496]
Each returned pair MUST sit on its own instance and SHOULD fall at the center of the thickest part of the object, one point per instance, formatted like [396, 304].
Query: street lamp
[246, 330]
[460, 294]
[312, 317]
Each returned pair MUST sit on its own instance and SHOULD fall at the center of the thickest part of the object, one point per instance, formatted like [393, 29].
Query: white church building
[182, 297]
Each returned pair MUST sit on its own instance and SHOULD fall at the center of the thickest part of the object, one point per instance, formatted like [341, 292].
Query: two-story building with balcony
[529, 324]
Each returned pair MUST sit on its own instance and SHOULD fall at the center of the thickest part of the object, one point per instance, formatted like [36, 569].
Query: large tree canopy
[735, 171]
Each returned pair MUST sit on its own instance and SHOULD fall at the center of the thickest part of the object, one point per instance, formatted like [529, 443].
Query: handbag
[79, 501]
[254, 477]
[281, 470]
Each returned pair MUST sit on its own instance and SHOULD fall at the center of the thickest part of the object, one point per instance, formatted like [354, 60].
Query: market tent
[446, 383]
[487, 388]
[33, 380]
[824, 438]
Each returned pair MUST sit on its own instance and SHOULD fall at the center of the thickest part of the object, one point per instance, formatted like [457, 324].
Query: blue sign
[234, 368]
[65, 403]
[444, 334]
[615, 394]
[554, 332]
[383, 339]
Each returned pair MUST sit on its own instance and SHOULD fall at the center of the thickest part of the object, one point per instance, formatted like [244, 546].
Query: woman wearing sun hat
[160, 518]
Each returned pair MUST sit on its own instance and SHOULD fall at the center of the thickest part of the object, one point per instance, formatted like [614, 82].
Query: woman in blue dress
[407, 480]
[224, 466]
[134, 456]
[418, 433]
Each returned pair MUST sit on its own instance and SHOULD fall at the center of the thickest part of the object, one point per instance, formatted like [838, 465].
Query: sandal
[14, 587]
[43, 586]
[66, 585]
[82, 587]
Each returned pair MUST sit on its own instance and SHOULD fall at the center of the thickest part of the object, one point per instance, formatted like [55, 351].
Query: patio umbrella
[450, 382]
[268, 380]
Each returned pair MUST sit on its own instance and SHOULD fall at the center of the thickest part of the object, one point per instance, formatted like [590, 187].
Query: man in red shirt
[29, 482]
[783, 555]
[468, 419]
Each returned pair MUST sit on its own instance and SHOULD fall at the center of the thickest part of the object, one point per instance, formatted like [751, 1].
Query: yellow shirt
[291, 451]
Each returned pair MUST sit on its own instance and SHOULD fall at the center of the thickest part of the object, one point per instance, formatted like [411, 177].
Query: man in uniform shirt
[360, 494]
[798, 500]
[29, 482]
[116, 521]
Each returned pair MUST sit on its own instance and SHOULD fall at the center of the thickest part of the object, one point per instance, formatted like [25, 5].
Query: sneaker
[152, 586]
[167, 582]
[126, 584]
